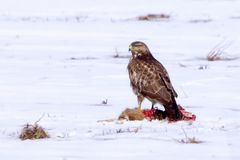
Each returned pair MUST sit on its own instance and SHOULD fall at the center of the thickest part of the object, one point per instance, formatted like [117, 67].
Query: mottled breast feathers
[150, 79]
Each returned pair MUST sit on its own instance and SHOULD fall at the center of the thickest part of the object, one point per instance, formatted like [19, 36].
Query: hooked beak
[130, 48]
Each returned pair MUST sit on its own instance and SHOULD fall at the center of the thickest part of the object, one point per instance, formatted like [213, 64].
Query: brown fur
[131, 114]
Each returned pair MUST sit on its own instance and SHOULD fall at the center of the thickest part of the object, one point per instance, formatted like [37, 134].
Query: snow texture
[57, 61]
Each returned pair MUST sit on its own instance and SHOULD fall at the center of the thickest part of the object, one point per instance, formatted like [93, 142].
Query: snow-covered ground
[56, 61]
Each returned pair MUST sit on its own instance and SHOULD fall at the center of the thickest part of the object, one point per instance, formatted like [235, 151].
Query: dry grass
[120, 131]
[218, 53]
[215, 55]
[152, 17]
[83, 58]
[105, 102]
[192, 140]
[117, 55]
[200, 20]
[129, 130]
[107, 120]
[33, 132]
[202, 67]
[183, 65]
[189, 140]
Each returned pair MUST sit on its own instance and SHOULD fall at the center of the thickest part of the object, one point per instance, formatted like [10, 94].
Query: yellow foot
[139, 108]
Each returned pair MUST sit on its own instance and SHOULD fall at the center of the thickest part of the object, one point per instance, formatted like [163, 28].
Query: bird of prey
[149, 79]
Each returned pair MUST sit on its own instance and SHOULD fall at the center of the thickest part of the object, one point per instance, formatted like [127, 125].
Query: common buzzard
[149, 79]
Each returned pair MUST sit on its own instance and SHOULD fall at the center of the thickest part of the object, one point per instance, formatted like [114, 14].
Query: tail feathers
[172, 110]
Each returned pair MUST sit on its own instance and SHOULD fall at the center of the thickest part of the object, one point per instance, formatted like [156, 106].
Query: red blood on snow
[186, 116]
[151, 114]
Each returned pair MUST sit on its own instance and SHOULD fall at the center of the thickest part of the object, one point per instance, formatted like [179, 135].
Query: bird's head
[139, 49]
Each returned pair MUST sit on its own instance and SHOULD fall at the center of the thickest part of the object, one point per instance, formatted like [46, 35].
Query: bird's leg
[140, 99]
[153, 105]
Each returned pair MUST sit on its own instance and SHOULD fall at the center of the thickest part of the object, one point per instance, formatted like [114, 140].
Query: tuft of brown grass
[192, 140]
[129, 130]
[218, 53]
[189, 140]
[33, 132]
[214, 55]
[152, 17]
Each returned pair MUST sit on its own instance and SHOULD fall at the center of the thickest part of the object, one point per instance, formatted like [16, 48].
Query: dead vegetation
[154, 17]
[104, 102]
[121, 130]
[129, 130]
[33, 132]
[183, 65]
[203, 67]
[82, 58]
[200, 20]
[218, 54]
[107, 120]
[192, 140]
[189, 140]
[215, 55]
[117, 55]
[71, 18]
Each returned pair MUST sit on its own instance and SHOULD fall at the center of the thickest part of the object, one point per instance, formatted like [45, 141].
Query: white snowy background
[57, 61]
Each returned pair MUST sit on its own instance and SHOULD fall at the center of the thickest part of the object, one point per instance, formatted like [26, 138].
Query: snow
[56, 60]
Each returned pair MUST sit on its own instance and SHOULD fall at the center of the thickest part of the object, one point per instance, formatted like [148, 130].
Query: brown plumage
[149, 79]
